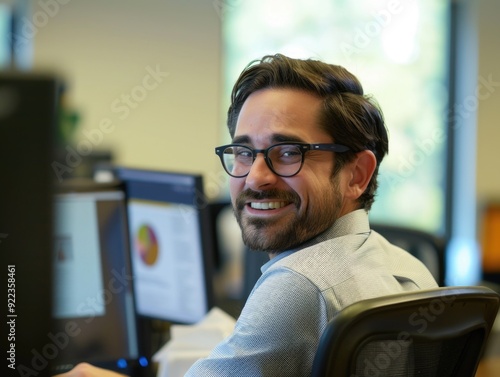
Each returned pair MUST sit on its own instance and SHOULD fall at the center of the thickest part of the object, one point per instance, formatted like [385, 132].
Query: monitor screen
[93, 306]
[5, 35]
[171, 244]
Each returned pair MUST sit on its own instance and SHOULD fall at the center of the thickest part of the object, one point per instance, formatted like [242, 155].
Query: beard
[275, 235]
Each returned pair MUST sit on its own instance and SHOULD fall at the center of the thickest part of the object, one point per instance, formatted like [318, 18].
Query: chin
[267, 239]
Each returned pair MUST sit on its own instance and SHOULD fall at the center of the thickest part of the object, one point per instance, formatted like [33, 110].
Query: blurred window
[398, 50]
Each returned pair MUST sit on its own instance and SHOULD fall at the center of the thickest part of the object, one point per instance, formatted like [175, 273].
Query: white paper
[188, 343]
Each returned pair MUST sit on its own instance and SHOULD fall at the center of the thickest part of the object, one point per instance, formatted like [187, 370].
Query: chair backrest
[440, 332]
[426, 247]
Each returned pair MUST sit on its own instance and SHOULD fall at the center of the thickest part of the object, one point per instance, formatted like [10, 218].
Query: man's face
[276, 213]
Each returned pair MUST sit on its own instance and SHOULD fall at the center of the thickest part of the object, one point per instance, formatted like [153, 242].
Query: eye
[243, 155]
[286, 154]
[290, 152]
[243, 152]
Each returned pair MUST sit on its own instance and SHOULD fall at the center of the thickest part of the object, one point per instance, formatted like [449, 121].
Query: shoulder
[283, 298]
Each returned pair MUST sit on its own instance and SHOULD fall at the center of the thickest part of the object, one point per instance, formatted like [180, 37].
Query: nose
[260, 174]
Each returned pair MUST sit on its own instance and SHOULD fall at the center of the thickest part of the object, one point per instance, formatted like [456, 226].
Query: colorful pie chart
[147, 244]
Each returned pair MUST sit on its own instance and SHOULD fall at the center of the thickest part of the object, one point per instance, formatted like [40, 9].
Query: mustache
[276, 195]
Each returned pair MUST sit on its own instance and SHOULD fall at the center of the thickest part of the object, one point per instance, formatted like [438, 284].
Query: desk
[489, 367]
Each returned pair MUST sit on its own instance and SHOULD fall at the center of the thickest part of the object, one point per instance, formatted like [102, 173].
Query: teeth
[267, 205]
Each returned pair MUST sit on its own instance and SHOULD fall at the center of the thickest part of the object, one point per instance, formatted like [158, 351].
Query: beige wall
[488, 140]
[163, 55]
[104, 49]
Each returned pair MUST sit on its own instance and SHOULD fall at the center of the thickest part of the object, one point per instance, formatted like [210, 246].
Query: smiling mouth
[266, 200]
[267, 205]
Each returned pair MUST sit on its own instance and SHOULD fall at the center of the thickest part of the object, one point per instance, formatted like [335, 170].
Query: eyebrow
[275, 138]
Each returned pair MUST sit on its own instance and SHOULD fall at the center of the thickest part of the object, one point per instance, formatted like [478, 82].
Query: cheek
[235, 187]
[306, 187]
[313, 190]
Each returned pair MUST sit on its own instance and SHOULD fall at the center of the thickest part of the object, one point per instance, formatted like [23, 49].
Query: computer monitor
[171, 245]
[28, 116]
[94, 317]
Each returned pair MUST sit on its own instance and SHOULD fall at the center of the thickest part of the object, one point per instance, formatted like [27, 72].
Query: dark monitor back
[28, 104]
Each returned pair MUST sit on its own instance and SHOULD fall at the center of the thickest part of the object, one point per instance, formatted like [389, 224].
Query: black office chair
[440, 332]
[428, 248]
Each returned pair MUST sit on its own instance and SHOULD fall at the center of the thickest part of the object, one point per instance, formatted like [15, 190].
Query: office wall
[108, 50]
[488, 141]
[143, 75]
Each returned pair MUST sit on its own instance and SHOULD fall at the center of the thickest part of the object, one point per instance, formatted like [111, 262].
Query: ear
[361, 170]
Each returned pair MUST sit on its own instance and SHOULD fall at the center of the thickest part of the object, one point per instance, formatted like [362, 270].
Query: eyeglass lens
[283, 159]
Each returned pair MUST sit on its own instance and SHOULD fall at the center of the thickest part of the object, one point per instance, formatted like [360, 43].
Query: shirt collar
[352, 223]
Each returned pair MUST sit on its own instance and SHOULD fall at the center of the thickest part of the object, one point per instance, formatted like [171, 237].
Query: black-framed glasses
[284, 159]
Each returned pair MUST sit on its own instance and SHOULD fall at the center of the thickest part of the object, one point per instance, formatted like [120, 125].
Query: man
[306, 148]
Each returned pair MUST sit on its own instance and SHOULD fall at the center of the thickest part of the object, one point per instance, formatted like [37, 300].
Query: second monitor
[171, 244]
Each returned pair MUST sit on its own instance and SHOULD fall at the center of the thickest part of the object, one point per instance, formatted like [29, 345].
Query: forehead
[282, 114]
